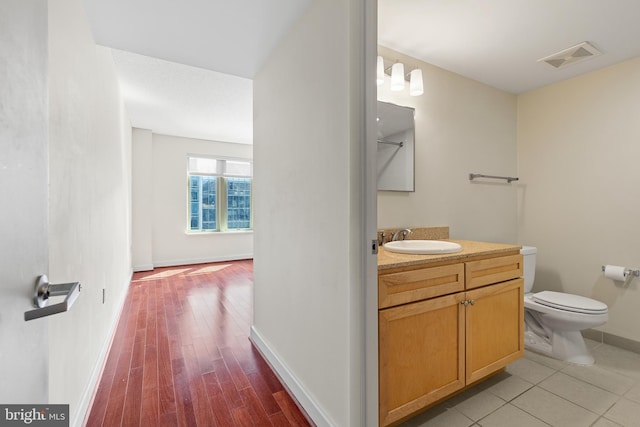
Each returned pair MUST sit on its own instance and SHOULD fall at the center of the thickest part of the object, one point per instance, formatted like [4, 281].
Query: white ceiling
[177, 99]
[498, 42]
[185, 67]
[231, 37]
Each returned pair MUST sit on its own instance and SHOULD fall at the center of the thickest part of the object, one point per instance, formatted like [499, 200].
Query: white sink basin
[422, 247]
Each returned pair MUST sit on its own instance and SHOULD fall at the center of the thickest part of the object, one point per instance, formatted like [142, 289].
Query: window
[219, 194]
[203, 190]
[238, 203]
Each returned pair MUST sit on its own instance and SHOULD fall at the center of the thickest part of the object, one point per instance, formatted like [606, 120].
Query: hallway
[181, 355]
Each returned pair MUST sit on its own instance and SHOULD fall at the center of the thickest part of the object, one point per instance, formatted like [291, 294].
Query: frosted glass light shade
[397, 76]
[415, 83]
[380, 71]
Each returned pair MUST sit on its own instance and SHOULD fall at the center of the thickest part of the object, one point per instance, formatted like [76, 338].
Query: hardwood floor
[181, 355]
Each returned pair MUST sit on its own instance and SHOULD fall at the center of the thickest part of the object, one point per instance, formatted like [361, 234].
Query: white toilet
[553, 320]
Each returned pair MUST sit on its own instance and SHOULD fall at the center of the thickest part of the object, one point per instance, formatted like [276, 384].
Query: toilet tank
[529, 266]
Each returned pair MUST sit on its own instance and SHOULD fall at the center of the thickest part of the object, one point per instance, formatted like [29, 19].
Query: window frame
[221, 176]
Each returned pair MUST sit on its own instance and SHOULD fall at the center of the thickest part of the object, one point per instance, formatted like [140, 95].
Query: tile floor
[539, 391]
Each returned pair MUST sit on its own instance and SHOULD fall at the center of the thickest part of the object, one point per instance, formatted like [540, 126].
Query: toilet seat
[570, 302]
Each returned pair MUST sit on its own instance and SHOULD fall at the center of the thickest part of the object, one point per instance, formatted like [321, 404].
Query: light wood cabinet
[494, 327]
[415, 285]
[436, 337]
[421, 346]
[492, 270]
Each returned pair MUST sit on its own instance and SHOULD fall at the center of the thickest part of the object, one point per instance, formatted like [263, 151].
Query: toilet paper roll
[614, 272]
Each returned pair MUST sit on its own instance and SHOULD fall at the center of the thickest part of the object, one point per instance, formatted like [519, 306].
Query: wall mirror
[395, 156]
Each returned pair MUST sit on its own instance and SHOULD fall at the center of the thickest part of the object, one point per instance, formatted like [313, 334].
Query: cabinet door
[495, 328]
[421, 355]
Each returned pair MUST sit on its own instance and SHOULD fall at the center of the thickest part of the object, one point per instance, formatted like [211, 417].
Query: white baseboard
[175, 262]
[144, 267]
[92, 385]
[291, 383]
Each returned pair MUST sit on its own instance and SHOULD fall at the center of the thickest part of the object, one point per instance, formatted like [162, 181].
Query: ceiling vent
[572, 55]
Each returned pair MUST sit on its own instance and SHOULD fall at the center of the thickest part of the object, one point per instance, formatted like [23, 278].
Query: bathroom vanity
[445, 323]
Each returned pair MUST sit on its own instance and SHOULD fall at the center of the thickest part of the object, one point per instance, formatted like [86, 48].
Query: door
[370, 214]
[495, 328]
[23, 199]
[421, 355]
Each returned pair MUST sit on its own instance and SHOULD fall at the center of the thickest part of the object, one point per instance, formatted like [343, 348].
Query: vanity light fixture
[380, 72]
[415, 83]
[398, 77]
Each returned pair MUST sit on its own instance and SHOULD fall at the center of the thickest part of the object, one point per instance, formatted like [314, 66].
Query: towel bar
[473, 176]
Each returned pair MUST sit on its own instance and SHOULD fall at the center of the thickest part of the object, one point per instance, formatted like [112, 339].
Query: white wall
[24, 357]
[142, 203]
[578, 201]
[160, 203]
[462, 126]
[308, 243]
[89, 205]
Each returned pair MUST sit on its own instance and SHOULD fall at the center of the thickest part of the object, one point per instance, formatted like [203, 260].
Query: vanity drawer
[492, 270]
[415, 285]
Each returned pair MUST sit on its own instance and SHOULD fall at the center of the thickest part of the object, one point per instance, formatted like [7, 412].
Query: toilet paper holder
[627, 272]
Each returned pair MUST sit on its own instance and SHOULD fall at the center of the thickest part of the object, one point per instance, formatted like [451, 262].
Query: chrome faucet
[381, 239]
[402, 233]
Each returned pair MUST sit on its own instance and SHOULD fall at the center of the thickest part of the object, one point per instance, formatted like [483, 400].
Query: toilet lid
[570, 302]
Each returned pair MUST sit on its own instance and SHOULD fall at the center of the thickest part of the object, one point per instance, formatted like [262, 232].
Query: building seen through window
[219, 194]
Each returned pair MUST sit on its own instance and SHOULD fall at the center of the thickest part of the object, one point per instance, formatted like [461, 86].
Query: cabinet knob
[465, 303]
[472, 302]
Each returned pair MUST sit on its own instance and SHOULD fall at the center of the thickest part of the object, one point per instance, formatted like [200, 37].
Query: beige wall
[576, 144]
[160, 203]
[308, 244]
[578, 151]
[89, 204]
[462, 126]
